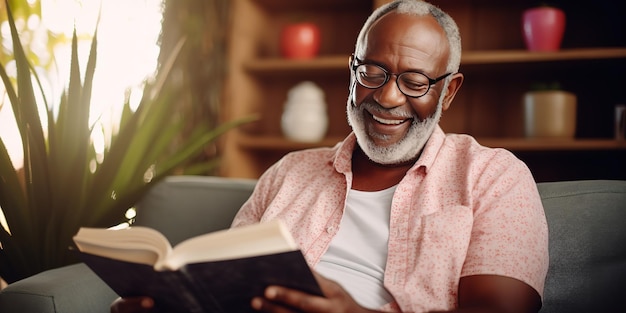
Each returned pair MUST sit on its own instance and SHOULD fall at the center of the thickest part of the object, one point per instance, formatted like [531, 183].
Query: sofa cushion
[180, 207]
[62, 289]
[586, 220]
[587, 225]
[186, 206]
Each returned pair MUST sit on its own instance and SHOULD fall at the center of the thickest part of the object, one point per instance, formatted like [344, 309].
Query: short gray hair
[418, 8]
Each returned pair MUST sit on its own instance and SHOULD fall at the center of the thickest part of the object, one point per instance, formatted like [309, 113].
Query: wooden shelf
[279, 143]
[277, 66]
[330, 64]
[307, 4]
[524, 56]
[497, 68]
[525, 144]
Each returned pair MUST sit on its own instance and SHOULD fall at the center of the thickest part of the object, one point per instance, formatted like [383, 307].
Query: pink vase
[543, 28]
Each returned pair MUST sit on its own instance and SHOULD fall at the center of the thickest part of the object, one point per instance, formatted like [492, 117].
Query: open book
[215, 272]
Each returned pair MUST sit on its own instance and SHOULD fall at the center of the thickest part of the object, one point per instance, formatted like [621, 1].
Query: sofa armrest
[186, 206]
[587, 270]
[70, 289]
[179, 206]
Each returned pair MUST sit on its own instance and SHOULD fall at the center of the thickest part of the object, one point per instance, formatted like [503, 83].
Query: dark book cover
[218, 286]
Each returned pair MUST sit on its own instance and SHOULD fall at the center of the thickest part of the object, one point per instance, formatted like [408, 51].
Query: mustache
[374, 107]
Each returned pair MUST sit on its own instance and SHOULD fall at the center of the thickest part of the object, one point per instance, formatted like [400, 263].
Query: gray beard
[407, 149]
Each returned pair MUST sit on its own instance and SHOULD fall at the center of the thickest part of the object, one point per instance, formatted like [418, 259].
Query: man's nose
[389, 94]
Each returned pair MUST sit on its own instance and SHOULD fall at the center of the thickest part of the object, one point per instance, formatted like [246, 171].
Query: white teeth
[386, 121]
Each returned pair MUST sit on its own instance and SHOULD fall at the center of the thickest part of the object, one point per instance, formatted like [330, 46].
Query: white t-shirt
[357, 255]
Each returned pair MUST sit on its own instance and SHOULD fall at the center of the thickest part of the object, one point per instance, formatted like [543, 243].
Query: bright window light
[127, 55]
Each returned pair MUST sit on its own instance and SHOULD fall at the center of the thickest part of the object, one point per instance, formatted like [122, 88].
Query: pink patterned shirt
[461, 210]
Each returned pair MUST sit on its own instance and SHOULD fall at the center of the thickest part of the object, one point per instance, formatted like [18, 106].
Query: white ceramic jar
[304, 117]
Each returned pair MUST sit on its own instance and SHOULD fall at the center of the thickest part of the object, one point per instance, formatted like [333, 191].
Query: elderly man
[400, 216]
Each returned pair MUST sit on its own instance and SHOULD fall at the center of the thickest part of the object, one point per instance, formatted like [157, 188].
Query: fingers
[283, 300]
[330, 288]
[132, 305]
[263, 305]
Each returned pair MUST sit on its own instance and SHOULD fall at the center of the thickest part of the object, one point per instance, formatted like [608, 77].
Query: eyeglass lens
[412, 84]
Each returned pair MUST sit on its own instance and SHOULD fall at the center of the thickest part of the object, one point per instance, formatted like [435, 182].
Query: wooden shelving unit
[497, 67]
[334, 63]
[524, 56]
[280, 143]
[522, 144]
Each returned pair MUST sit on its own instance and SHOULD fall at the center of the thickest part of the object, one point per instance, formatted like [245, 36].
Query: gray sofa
[587, 223]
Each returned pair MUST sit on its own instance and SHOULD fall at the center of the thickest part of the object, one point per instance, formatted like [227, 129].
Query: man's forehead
[409, 36]
[395, 25]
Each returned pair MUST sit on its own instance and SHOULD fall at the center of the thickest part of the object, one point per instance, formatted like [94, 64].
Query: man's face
[392, 128]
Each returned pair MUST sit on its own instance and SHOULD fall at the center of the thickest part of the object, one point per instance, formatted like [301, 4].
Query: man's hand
[132, 305]
[284, 300]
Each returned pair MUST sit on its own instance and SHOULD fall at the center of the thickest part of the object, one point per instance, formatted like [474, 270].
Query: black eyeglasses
[411, 84]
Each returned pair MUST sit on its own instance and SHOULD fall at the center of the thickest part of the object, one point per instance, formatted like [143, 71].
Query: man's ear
[453, 87]
[352, 84]
[352, 80]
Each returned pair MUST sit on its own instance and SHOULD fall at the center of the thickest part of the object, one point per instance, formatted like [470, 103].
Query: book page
[253, 240]
[135, 244]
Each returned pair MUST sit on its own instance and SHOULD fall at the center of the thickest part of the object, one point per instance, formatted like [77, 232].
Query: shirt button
[330, 229]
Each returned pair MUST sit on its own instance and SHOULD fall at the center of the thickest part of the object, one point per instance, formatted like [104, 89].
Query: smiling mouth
[388, 121]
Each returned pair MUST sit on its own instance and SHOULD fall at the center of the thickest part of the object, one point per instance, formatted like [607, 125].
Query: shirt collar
[342, 158]
[431, 149]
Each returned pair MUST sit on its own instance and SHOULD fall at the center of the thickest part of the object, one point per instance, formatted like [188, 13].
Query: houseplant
[64, 184]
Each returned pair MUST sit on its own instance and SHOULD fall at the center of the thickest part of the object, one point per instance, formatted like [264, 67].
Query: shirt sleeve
[510, 234]
[253, 209]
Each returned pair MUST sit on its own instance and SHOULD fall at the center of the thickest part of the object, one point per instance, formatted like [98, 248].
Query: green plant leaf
[64, 187]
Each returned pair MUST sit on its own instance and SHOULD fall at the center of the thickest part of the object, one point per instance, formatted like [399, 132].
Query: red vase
[543, 28]
[300, 41]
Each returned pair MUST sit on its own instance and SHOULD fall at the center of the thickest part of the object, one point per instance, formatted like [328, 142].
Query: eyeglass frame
[388, 74]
